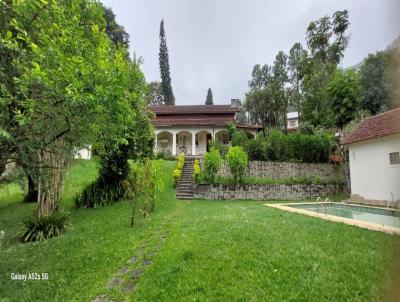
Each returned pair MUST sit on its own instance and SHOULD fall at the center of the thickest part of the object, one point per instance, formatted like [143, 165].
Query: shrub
[166, 155]
[44, 227]
[277, 143]
[223, 149]
[239, 138]
[176, 175]
[257, 148]
[306, 128]
[196, 170]
[212, 163]
[142, 185]
[237, 161]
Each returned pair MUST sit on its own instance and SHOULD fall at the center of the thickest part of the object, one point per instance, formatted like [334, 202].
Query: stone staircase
[184, 189]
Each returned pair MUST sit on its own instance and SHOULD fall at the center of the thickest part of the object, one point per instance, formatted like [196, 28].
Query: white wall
[84, 153]
[372, 176]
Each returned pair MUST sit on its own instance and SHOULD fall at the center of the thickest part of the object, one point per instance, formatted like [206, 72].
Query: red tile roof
[380, 125]
[194, 120]
[248, 126]
[193, 109]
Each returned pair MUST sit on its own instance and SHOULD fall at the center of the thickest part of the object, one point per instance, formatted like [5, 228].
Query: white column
[174, 143]
[155, 144]
[193, 143]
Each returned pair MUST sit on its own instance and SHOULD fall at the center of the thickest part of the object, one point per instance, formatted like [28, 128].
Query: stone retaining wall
[266, 192]
[287, 170]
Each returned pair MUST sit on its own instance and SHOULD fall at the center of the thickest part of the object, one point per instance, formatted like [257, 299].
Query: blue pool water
[367, 214]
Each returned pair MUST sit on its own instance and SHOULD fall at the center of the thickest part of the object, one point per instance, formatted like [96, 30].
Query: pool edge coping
[362, 224]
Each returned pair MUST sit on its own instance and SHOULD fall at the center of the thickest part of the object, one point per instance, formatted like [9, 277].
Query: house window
[292, 123]
[394, 158]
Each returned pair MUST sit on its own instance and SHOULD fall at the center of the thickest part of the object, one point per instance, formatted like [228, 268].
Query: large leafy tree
[326, 39]
[66, 85]
[374, 80]
[280, 79]
[296, 64]
[115, 31]
[262, 99]
[209, 98]
[154, 95]
[344, 94]
[166, 86]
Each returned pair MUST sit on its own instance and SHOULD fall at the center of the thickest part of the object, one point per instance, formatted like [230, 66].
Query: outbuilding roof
[384, 124]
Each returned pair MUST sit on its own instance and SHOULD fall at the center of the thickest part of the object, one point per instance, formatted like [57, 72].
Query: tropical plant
[39, 228]
[237, 161]
[212, 163]
[196, 170]
[142, 185]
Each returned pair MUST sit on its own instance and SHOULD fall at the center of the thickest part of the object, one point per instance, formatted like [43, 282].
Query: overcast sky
[216, 43]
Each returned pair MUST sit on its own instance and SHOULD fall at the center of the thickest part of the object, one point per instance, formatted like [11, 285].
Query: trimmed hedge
[297, 147]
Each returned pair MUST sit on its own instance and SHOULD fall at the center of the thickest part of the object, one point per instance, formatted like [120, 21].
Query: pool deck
[362, 224]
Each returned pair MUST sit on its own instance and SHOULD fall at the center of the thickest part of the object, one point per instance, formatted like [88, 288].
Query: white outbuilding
[374, 155]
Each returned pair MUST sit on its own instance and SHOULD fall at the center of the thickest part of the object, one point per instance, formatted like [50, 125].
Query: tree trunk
[50, 180]
[32, 195]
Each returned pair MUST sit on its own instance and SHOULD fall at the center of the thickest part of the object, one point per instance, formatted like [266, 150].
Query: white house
[190, 129]
[374, 153]
[292, 121]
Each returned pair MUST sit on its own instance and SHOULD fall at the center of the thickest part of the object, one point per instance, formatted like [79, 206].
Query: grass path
[197, 250]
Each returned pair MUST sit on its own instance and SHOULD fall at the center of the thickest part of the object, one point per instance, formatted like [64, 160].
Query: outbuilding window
[394, 158]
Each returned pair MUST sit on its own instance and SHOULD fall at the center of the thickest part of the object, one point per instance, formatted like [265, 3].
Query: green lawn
[196, 250]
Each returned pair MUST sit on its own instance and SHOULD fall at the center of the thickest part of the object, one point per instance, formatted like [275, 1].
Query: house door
[209, 138]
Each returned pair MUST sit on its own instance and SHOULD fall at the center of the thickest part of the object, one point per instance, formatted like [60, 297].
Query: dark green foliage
[374, 82]
[327, 40]
[209, 99]
[154, 94]
[277, 141]
[223, 149]
[257, 148]
[166, 86]
[141, 187]
[344, 94]
[241, 116]
[239, 138]
[44, 227]
[296, 68]
[306, 128]
[212, 163]
[115, 32]
[164, 155]
[237, 161]
[309, 148]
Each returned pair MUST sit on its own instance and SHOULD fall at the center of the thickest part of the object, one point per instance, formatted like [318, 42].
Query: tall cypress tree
[209, 99]
[166, 87]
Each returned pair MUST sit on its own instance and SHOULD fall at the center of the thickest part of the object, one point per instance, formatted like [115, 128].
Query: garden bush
[39, 228]
[166, 155]
[237, 161]
[196, 170]
[212, 163]
[239, 138]
[278, 144]
[176, 174]
[142, 185]
[223, 149]
[257, 148]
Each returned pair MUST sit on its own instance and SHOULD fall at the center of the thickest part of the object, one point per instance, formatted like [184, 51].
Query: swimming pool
[373, 218]
[367, 214]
